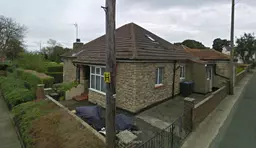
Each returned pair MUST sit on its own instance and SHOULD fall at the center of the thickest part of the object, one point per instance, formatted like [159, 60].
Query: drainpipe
[173, 79]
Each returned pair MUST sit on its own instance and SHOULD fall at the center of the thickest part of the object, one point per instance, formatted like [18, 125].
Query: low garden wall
[240, 76]
[202, 109]
[84, 124]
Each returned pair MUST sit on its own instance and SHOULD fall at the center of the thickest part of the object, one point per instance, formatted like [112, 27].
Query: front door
[209, 77]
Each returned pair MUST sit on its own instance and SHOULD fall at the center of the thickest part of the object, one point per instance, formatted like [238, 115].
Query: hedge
[58, 76]
[35, 78]
[55, 68]
[15, 92]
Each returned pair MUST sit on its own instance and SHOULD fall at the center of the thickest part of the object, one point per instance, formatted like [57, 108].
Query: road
[239, 131]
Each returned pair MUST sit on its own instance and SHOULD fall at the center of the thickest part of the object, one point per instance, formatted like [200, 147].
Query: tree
[218, 44]
[192, 44]
[15, 47]
[56, 52]
[246, 47]
[11, 36]
[53, 51]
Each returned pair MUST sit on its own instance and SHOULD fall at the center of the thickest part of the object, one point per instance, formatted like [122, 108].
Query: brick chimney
[78, 44]
[40, 92]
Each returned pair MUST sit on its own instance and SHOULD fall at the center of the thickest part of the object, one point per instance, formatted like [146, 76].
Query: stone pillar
[40, 92]
[189, 104]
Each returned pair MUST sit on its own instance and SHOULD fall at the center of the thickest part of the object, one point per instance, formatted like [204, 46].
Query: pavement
[8, 135]
[231, 124]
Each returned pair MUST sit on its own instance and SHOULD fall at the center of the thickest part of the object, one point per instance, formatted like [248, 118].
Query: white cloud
[200, 20]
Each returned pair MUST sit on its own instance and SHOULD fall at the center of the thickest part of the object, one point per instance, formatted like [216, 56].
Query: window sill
[159, 85]
[100, 92]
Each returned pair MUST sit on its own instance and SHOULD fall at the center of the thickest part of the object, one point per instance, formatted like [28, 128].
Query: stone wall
[222, 68]
[69, 71]
[136, 86]
[146, 92]
[75, 91]
[97, 98]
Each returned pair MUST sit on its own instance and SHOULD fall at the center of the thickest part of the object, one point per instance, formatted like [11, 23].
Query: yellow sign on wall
[107, 77]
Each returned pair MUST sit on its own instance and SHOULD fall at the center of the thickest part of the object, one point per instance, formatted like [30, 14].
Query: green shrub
[14, 91]
[239, 69]
[56, 68]
[18, 96]
[63, 87]
[32, 61]
[58, 76]
[34, 78]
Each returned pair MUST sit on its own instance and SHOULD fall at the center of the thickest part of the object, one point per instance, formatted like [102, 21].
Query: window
[78, 74]
[182, 72]
[159, 75]
[152, 39]
[97, 79]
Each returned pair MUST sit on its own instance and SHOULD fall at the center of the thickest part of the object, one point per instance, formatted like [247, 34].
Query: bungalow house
[147, 68]
[209, 69]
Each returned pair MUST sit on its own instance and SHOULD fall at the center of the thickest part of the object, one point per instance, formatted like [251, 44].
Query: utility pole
[110, 74]
[232, 72]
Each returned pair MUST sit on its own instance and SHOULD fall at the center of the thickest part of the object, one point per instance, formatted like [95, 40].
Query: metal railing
[170, 137]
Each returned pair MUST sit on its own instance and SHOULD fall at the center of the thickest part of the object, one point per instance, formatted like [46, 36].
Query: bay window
[97, 79]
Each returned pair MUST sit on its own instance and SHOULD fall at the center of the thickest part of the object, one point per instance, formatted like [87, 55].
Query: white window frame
[182, 72]
[158, 83]
[95, 74]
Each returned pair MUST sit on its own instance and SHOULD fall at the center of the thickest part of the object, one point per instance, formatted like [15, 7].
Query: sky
[173, 20]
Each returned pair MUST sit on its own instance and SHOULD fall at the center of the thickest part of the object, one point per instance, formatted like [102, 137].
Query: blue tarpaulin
[91, 114]
[123, 122]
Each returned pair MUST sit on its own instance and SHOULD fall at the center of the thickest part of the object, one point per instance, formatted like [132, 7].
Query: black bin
[186, 88]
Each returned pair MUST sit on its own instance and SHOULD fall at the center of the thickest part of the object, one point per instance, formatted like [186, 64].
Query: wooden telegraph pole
[110, 74]
[232, 72]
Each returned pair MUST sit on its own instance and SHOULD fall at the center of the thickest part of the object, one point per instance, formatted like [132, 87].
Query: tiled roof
[132, 43]
[206, 54]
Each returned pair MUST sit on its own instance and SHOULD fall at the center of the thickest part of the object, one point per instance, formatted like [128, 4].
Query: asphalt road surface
[239, 130]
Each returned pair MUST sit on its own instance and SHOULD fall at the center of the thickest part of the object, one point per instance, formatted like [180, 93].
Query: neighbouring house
[226, 51]
[209, 69]
[147, 68]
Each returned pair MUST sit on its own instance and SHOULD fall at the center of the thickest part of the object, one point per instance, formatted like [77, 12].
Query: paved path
[8, 136]
[216, 121]
[240, 130]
